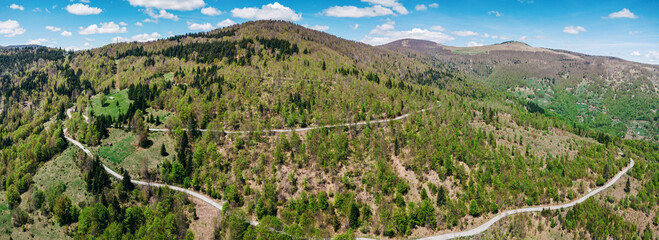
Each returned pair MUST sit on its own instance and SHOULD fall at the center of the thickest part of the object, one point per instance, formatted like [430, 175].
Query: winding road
[451, 235]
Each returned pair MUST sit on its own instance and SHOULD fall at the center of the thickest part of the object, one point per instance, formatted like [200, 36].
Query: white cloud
[354, 27]
[139, 24]
[420, 7]
[474, 44]
[90, 39]
[210, 11]
[437, 28]
[272, 11]
[635, 32]
[465, 33]
[16, 7]
[160, 14]
[433, 5]
[181, 5]
[393, 4]
[319, 28]
[39, 41]
[87, 44]
[84, 1]
[485, 35]
[123, 23]
[137, 38]
[109, 27]
[540, 37]
[227, 22]
[53, 29]
[83, 9]
[496, 13]
[386, 33]
[522, 38]
[355, 12]
[652, 55]
[624, 13]
[66, 33]
[11, 28]
[636, 53]
[200, 26]
[573, 29]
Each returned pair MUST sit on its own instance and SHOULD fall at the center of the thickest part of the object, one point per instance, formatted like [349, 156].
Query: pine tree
[163, 151]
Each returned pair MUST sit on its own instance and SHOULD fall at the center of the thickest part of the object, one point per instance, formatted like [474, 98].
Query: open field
[63, 169]
[110, 107]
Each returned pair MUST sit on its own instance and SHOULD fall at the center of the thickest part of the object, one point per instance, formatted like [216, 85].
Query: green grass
[5, 219]
[63, 169]
[125, 154]
[122, 146]
[111, 107]
[169, 76]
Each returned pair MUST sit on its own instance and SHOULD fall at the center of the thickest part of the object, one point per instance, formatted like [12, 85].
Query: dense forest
[464, 152]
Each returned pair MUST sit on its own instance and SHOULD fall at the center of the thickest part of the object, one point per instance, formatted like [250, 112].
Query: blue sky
[625, 29]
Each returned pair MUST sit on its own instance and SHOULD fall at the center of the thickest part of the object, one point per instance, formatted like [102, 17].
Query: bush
[19, 217]
[13, 197]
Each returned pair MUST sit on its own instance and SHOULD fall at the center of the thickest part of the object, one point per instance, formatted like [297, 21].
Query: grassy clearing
[169, 76]
[124, 152]
[110, 107]
[122, 146]
[63, 169]
[5, 219]
[162, 114]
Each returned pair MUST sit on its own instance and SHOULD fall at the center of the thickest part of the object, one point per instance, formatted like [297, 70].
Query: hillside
[438, 150]
[609, 94]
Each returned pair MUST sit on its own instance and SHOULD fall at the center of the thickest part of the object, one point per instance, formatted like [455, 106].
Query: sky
[625, 29]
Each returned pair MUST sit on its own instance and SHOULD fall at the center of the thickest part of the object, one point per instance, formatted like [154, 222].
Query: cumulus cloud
[574, 29]
[421, 7]
[354, 27]
[386, 33]
[38, 41]
[485, 35]
[356, 12]
[210, 11]
[200, 26]
[272, 11]
[16, 7]
[465, 33]
[433, 5]
[11, 28]
[83, 9]
[139, 24]
[109, 27]
[181, 5]
[319, 27]
[652, 55]
[393, 4]
[160, 14]
[636, 53]
[522, 38]
[624, 13]
[138, 38]
[227, 22]
[53, 29]
[66, 33]
[437, 28]
[495, 13]
[474, 44]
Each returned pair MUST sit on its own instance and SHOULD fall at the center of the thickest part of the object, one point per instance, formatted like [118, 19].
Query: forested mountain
[609, 94]
[459, 153]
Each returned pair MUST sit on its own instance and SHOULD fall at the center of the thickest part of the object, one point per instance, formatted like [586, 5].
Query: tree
[441, 196]
[37, 199]
[354, 216]
[102, 98]
[163, 151]
[97, 178]
[627, 186]
[65, 212]
[138, 126]
[12, 196]
[474, 210]
[126, 183]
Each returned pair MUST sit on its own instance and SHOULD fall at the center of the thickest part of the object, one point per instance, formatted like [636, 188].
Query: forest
[463, 153]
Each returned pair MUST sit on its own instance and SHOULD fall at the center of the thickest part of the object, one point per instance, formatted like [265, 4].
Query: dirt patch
[207, 215]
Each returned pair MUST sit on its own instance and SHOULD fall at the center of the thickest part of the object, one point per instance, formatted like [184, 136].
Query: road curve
[137, 182]
[502, 215]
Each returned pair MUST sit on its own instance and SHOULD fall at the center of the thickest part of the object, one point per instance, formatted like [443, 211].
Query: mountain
[437, 148]
[609, 94]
